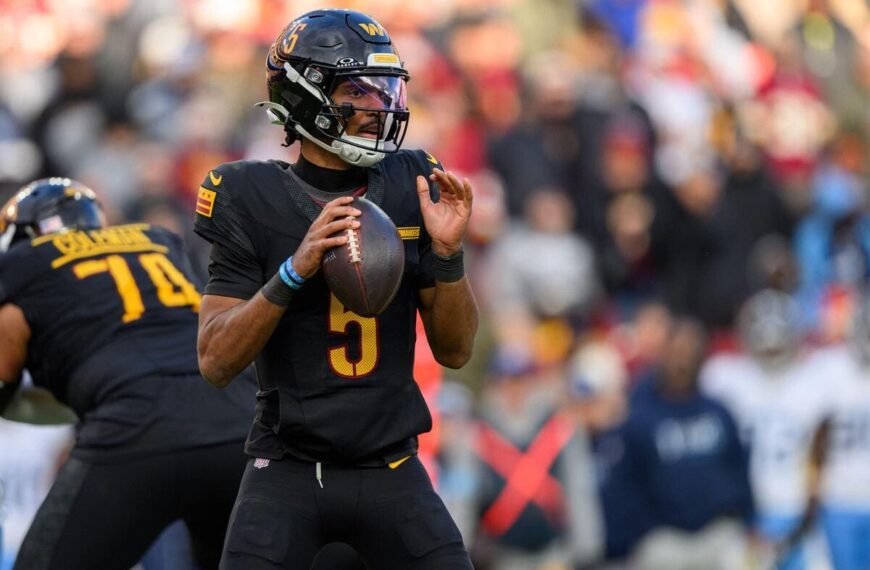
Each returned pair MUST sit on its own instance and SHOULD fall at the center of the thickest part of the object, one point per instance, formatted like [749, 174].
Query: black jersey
[334, 386]
[113, 319]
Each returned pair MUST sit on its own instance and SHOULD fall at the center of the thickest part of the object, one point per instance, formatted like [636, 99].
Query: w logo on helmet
[373, 29]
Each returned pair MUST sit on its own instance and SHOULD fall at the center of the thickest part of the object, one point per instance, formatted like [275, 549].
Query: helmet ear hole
[313, 75]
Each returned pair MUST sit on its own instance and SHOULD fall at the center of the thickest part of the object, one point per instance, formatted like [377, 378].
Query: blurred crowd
[670, 243]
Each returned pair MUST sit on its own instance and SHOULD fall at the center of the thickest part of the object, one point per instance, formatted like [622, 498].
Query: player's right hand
[324, 234]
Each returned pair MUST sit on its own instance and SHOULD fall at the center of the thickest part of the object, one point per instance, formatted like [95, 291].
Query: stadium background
[632, 159]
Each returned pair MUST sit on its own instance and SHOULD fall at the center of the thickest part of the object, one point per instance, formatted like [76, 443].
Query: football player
[104, 318]
[780, 402]
[845, 494]
[334, 442]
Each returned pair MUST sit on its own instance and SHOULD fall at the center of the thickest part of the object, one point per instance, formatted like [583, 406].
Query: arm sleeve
[232, 273]
[234, 266]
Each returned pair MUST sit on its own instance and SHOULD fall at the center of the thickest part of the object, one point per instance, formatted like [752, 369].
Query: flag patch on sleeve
[205, 201]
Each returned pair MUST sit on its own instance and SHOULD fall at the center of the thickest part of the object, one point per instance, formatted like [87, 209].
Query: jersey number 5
[340, 319]
[173, 288]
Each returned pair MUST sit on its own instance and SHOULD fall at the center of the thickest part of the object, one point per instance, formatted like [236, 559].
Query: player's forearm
[230, 339]
[452, 323]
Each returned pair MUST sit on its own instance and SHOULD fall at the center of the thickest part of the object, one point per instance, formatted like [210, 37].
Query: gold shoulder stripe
[411, 232]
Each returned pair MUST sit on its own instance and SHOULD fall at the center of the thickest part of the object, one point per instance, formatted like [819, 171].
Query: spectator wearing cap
[596, 381]
[677, 495]
[535, 499]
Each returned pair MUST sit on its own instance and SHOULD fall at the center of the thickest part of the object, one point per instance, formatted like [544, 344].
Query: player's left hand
[447, 219]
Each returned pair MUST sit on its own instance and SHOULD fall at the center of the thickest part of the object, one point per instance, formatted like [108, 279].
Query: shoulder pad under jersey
[222, 210]
[419, 163]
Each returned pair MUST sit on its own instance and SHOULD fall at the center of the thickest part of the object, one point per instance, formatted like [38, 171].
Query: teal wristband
[292, 272]
[287, 277]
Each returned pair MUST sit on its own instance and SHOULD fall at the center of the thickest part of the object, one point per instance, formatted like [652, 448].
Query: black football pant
[392, 518]
[105, 516]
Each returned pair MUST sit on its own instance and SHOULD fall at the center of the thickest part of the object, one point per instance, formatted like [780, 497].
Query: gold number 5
[369, 345]
[293, 37]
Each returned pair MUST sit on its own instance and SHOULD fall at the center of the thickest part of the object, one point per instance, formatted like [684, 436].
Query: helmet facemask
[375, 103]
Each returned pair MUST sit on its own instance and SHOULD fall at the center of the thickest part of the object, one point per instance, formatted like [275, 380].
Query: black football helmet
[322, 51]
[47, 206]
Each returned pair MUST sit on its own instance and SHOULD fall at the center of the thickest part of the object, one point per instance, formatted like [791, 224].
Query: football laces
[353, 245]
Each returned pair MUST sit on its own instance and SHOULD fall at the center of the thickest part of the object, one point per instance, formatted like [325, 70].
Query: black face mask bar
[392, 125]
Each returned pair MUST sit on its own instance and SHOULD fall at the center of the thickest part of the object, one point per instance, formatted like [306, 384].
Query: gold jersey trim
[411, 232]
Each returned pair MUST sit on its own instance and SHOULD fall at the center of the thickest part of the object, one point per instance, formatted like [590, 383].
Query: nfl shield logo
[260, 463]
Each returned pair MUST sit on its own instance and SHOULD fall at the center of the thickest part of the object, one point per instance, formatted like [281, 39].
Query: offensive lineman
[104, 317]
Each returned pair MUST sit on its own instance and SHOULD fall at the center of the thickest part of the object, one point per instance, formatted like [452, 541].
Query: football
[365, 273]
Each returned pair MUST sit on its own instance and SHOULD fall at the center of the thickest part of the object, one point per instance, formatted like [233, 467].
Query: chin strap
[356, 155]
[347, 152]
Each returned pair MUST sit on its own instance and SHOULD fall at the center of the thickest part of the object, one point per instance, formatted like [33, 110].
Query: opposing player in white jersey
[846, 475]
[779, 402]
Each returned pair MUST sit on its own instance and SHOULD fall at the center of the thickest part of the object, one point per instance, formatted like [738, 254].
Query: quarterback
[334, 440]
